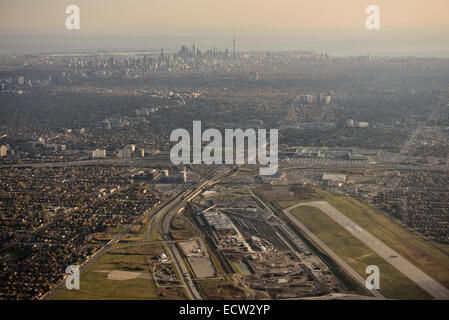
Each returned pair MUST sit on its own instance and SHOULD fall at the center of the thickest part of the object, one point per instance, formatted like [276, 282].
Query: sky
[338, 27]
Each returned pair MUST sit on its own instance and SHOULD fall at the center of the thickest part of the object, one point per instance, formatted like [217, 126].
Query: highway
[431, 286]
[163, 213]
[105, 161]
[162, 222]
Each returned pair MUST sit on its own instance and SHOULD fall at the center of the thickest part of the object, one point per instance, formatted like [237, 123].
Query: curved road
[162, 222]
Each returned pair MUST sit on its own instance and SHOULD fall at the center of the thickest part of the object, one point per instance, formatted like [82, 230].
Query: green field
[95, 285]
[429, 256]
[282, 194]
[393, 284]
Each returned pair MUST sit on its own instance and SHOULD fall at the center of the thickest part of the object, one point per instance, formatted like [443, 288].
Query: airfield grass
[289, 203]
[95, 285]
[300, 197]
[121, 262]
[429, 256]
[393, 284]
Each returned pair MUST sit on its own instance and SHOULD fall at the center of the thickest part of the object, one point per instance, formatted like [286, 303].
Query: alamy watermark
[73, 280]
[372, 22]
[72, 22]
[373, 280]
[212, 153]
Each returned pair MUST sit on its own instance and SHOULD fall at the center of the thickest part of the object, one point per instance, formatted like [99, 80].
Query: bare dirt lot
[125, 275]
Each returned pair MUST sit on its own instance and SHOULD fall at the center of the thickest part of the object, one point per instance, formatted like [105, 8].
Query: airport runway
[343, 264]
[427, 283]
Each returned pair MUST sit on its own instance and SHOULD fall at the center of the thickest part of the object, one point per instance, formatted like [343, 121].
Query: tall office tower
[4, 152]
[233, 41]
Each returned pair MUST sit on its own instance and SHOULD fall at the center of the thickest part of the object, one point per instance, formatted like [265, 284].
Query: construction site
[263, 255]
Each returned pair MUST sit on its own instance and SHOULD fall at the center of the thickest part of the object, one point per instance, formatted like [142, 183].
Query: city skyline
[242, 151]
[411, 29]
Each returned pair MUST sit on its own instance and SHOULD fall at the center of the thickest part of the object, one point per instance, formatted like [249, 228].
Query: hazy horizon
[411, 28]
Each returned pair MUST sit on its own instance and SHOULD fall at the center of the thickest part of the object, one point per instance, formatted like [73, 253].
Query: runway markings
[431, 286]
